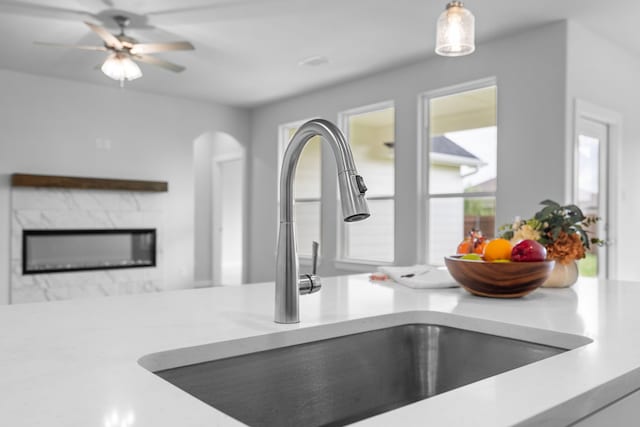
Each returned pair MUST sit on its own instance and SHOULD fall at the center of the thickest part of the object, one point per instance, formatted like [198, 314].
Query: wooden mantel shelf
[27, 180]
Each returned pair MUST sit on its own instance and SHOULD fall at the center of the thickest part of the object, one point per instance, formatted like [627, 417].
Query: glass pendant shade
[456, 31]
[120, 67]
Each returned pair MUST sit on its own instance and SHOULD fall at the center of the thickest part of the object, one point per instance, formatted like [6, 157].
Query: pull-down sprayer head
[352, 187]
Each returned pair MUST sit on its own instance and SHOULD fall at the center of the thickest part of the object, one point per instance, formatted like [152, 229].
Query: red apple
[528, 251]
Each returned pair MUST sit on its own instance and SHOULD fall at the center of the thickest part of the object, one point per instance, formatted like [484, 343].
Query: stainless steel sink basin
[341, 379]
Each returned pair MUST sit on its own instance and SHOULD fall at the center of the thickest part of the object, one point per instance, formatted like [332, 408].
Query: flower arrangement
[561, 229]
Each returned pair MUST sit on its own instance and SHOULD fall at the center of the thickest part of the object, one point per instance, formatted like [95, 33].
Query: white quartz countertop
[75, 363]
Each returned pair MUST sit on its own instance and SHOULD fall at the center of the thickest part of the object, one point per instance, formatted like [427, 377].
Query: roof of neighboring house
[443, 145]
[486, 186]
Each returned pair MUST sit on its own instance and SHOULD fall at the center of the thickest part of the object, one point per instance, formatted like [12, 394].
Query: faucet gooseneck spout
[354, 208]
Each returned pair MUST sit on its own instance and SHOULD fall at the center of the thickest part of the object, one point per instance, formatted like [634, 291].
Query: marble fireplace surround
[53, 202]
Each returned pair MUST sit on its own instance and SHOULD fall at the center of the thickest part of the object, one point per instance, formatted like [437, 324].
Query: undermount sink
[341, 373]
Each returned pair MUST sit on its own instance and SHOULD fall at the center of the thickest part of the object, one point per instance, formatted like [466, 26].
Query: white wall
[202, 148]
[604, 74]
[530, 69]
[50, 126]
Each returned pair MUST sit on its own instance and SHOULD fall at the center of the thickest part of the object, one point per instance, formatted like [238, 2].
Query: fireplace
[115, 238]
[57, 250]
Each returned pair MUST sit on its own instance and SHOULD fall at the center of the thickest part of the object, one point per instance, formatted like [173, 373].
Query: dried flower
[523, 232]
[566, 248]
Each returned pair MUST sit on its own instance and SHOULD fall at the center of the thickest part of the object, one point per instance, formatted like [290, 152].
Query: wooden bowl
[498, 279]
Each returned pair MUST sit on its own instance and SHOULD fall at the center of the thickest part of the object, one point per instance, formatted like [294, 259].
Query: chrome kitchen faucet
[354, 208]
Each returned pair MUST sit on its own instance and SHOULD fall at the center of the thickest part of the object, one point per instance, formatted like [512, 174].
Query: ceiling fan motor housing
[122, 22]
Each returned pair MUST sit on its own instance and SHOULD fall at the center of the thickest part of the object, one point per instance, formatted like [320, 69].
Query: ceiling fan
[125, 51]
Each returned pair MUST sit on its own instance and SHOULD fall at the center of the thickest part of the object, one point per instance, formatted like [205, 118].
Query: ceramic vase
[562, 275]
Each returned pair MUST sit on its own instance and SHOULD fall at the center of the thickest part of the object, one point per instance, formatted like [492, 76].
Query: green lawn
[588, 266]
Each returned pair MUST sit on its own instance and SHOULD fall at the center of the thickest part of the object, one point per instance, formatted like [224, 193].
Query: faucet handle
[314, 257]
[310, 283]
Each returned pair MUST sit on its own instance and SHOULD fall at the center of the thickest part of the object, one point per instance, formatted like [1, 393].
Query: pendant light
[456, 31]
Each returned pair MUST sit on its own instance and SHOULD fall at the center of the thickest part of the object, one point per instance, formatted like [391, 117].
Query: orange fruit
[497, 249]
[464, 247]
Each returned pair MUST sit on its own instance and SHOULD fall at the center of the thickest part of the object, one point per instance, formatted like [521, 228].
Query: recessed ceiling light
[313, 61]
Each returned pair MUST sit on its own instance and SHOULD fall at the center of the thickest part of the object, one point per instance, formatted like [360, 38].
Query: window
[459, 166]
[591, 158]
[306, 190]
[371, 134]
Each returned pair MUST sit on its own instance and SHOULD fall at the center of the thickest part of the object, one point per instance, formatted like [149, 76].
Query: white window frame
[342, 261]
[424, 159]
[283, 142]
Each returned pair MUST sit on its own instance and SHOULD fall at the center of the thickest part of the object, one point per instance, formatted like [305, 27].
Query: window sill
[359, 266]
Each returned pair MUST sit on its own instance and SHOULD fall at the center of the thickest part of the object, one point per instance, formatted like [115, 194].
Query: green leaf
[507, 234]
[545, 213]
[548, 202]
[584, 238]
[576, 213]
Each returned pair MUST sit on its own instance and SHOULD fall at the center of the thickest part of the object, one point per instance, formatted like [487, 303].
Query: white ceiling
[247, 51]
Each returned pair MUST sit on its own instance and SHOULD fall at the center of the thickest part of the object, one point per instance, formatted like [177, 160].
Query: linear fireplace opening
[55, 251]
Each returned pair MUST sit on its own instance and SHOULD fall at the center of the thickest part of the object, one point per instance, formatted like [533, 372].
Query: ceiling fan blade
[152, 60]
[73, 46]
[143, 48]
[105, 35]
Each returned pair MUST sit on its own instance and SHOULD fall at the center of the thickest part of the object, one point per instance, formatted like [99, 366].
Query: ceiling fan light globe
[120, 67]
